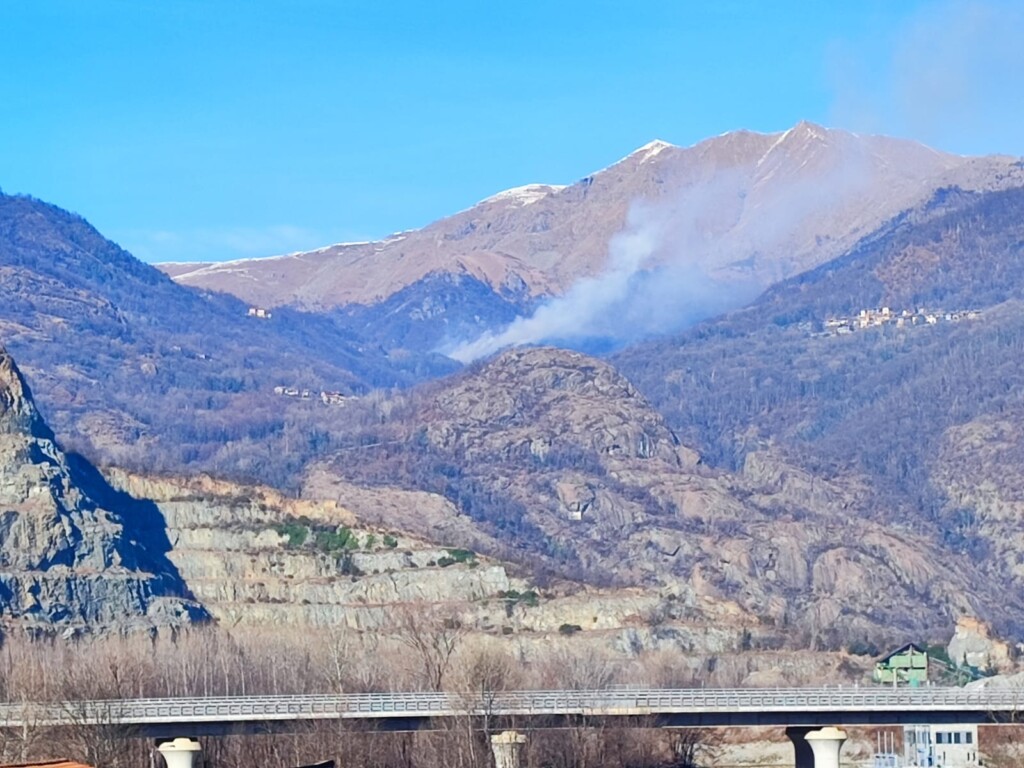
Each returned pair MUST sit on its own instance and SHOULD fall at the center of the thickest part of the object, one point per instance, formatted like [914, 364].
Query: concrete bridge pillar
[179, 753]
[506, 747]
[816, 748]
[825, 744]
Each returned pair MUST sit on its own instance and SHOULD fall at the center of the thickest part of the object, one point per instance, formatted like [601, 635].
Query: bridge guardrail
[431, 704]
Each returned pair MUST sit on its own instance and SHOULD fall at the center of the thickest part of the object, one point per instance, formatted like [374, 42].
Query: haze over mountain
[657, 240]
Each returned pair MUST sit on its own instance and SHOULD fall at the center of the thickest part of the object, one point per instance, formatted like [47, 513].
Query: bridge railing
[587, 702]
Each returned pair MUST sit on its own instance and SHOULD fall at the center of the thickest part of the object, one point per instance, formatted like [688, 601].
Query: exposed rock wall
[231, 543]
[74, 553]
[229, 546]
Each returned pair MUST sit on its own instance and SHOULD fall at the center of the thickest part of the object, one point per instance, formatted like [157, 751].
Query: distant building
[333, 398]
[907, 665]
[941, 746]
[260, 312]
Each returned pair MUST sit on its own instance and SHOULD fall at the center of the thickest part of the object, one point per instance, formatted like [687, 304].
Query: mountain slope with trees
[559, 462]
[928, 413]
[139, 370]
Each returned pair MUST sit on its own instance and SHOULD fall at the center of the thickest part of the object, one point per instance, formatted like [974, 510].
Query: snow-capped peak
[527, 194]
[810, 130]
[803, 131]
[652, 149]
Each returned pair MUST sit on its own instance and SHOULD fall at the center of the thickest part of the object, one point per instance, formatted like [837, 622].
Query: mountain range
[836, 453]
[740, 211]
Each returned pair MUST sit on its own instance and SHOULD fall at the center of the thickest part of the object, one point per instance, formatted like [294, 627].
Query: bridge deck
[680, 708]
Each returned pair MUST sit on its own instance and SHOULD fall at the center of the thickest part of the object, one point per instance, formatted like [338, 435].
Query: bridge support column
[506, 747]
[816, 748]
[802, 749]
[179, 753]
[826, 744]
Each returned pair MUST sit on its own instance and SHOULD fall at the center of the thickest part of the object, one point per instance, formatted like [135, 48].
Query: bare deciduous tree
[433, 637]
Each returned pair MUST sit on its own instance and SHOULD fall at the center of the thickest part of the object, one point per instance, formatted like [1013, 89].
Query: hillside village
[875, 318]
[327, 397]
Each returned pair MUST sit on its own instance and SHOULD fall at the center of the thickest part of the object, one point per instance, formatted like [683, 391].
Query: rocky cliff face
[257, 558]
[75, 554]
[558, 461]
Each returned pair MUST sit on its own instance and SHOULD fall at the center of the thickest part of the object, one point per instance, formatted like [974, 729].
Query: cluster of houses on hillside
[873, 318]
[260, 313]
[326, 397]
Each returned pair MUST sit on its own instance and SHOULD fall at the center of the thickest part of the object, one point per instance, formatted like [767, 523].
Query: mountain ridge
[112, 343]
[563, 235]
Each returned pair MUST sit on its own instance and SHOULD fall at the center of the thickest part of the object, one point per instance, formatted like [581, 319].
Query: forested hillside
[796, 456]
[902, 402]
[138, 370]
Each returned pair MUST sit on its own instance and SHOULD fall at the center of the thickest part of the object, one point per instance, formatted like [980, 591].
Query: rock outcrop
[549, 403]
[258, 558]
[559, 463]
[74, 553]
[973, 645]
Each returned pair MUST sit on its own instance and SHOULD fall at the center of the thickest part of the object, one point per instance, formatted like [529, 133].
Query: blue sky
[195, 129]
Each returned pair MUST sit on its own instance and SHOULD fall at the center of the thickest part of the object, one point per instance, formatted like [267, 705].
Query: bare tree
[433, 637]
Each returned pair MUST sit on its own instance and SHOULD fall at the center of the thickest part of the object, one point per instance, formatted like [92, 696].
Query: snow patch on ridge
[651, 149]
[525, 195]
[782, 137]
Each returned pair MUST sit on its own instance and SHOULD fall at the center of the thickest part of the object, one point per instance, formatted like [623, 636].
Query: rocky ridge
[75, 554]
[557, 460]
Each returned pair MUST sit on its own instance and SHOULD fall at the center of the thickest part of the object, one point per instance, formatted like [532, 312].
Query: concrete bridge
[800, 710]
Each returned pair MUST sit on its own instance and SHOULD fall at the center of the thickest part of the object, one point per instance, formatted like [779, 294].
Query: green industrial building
[907, 665]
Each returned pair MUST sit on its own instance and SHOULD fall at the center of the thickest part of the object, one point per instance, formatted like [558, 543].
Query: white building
[941, 746]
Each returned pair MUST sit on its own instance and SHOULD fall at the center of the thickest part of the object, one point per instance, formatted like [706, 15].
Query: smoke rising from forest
[615, 304]
[677, 261]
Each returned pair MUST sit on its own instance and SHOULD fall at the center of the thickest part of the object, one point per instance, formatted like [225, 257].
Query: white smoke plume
[583, 311]
[662, 270]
